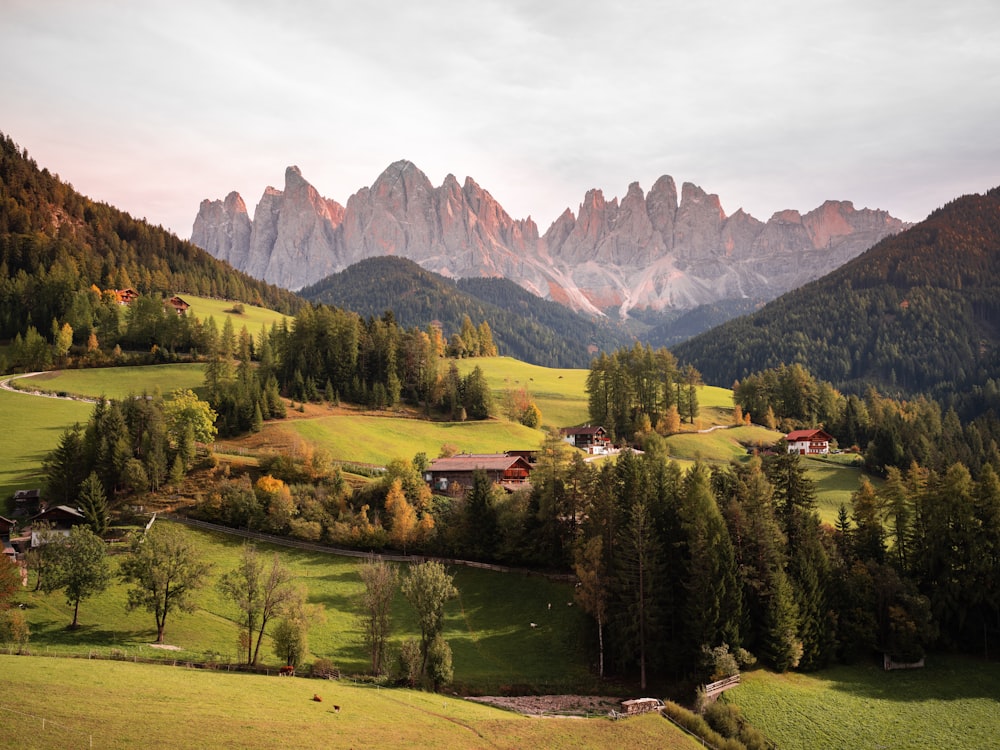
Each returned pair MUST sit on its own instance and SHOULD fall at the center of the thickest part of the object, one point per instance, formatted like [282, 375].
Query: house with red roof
[808, 442]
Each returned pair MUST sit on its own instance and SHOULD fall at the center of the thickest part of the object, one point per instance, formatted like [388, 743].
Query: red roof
[798, 435]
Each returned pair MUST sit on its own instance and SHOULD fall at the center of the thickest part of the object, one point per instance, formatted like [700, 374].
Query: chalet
[450, 474]
[176, 304]
[61, 517]
[27, 501]
[808, 442]
[126, 296]
[593, 440]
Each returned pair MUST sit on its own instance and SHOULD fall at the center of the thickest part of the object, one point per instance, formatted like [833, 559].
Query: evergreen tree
[94, 504]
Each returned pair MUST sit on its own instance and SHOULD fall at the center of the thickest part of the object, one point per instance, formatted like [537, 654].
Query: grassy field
[559, 393]
[722, 445]
[952, 703]
[251, 317]
[173, 707]
[31, 428]
[118, 382]
[835, 483]
[488, 626]
[378, 440]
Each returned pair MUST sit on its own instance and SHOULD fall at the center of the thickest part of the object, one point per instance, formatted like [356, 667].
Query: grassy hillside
[252, 317]
[560, 393]
[378, 440]
[179, 708]
[117, 382]
[488, 626]
[951, 703]
[32, 427]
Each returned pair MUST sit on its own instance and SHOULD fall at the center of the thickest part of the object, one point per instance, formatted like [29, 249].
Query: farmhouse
[808, 442]
[126, 296]
[176, 304]
[450, 474]
[61, 517]
[593, 440]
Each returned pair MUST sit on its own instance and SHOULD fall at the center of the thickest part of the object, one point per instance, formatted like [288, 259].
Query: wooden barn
[509, 471]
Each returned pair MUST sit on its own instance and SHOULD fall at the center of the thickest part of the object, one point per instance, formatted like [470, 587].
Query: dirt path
[553, 705]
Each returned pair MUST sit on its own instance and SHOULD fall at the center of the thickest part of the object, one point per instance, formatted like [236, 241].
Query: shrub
[324, 669]
[14, 630]
[723, 718]
[408, 663]
[439, 667]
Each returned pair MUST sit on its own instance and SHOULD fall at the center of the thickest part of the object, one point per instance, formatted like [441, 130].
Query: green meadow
[252, 317]
[117, 382]
[175, 707]
[951, 703]
[488, 625]
[560, 394]
[31, 428]
[378, 440]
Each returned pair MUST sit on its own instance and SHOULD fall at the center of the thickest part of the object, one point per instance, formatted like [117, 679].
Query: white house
[808, 442]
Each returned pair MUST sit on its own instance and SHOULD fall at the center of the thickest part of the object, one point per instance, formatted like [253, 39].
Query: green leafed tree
[428, 587]
[80, 568]
[260, 591]
[164, 569]
[380, 580]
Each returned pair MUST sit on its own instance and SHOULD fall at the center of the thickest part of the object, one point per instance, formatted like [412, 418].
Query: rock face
[649, 250]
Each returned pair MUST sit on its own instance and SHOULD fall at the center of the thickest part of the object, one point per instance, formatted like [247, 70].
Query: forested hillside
[917, 313]
[524, 326]
[55, 244]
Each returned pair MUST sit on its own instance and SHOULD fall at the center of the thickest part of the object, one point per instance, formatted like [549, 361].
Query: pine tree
[94, 504]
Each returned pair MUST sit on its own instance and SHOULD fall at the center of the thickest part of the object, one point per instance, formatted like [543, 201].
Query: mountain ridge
[659, 250]
[918, 313]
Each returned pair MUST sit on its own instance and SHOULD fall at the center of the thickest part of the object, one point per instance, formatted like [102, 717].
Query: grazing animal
[336, 708]
[317, 698]
[288, 671]
[533, 625]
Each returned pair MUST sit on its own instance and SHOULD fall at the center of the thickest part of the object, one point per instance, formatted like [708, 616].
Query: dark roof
[587, 430]
[473, 461]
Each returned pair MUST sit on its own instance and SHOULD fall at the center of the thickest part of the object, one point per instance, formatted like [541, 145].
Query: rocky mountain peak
[648, 250]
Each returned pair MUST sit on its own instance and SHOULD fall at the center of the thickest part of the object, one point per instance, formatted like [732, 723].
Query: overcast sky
[153, 106]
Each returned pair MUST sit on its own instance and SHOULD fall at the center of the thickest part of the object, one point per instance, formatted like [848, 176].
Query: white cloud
[771, 106]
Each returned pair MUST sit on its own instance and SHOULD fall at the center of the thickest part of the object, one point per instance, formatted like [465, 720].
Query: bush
[723, 718]
[696, 725]
[408, 663]
[14, 630]
[324, 669]
[439, 667]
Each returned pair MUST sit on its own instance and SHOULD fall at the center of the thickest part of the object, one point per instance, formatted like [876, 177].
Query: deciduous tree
[165, 570]
[380, 580]
[428, 587]
[260, 592]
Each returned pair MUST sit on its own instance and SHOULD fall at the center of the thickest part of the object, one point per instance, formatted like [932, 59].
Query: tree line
[331, 355]
[634, 391]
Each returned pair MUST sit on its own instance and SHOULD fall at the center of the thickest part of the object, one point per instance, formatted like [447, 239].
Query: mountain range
[650, 251]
